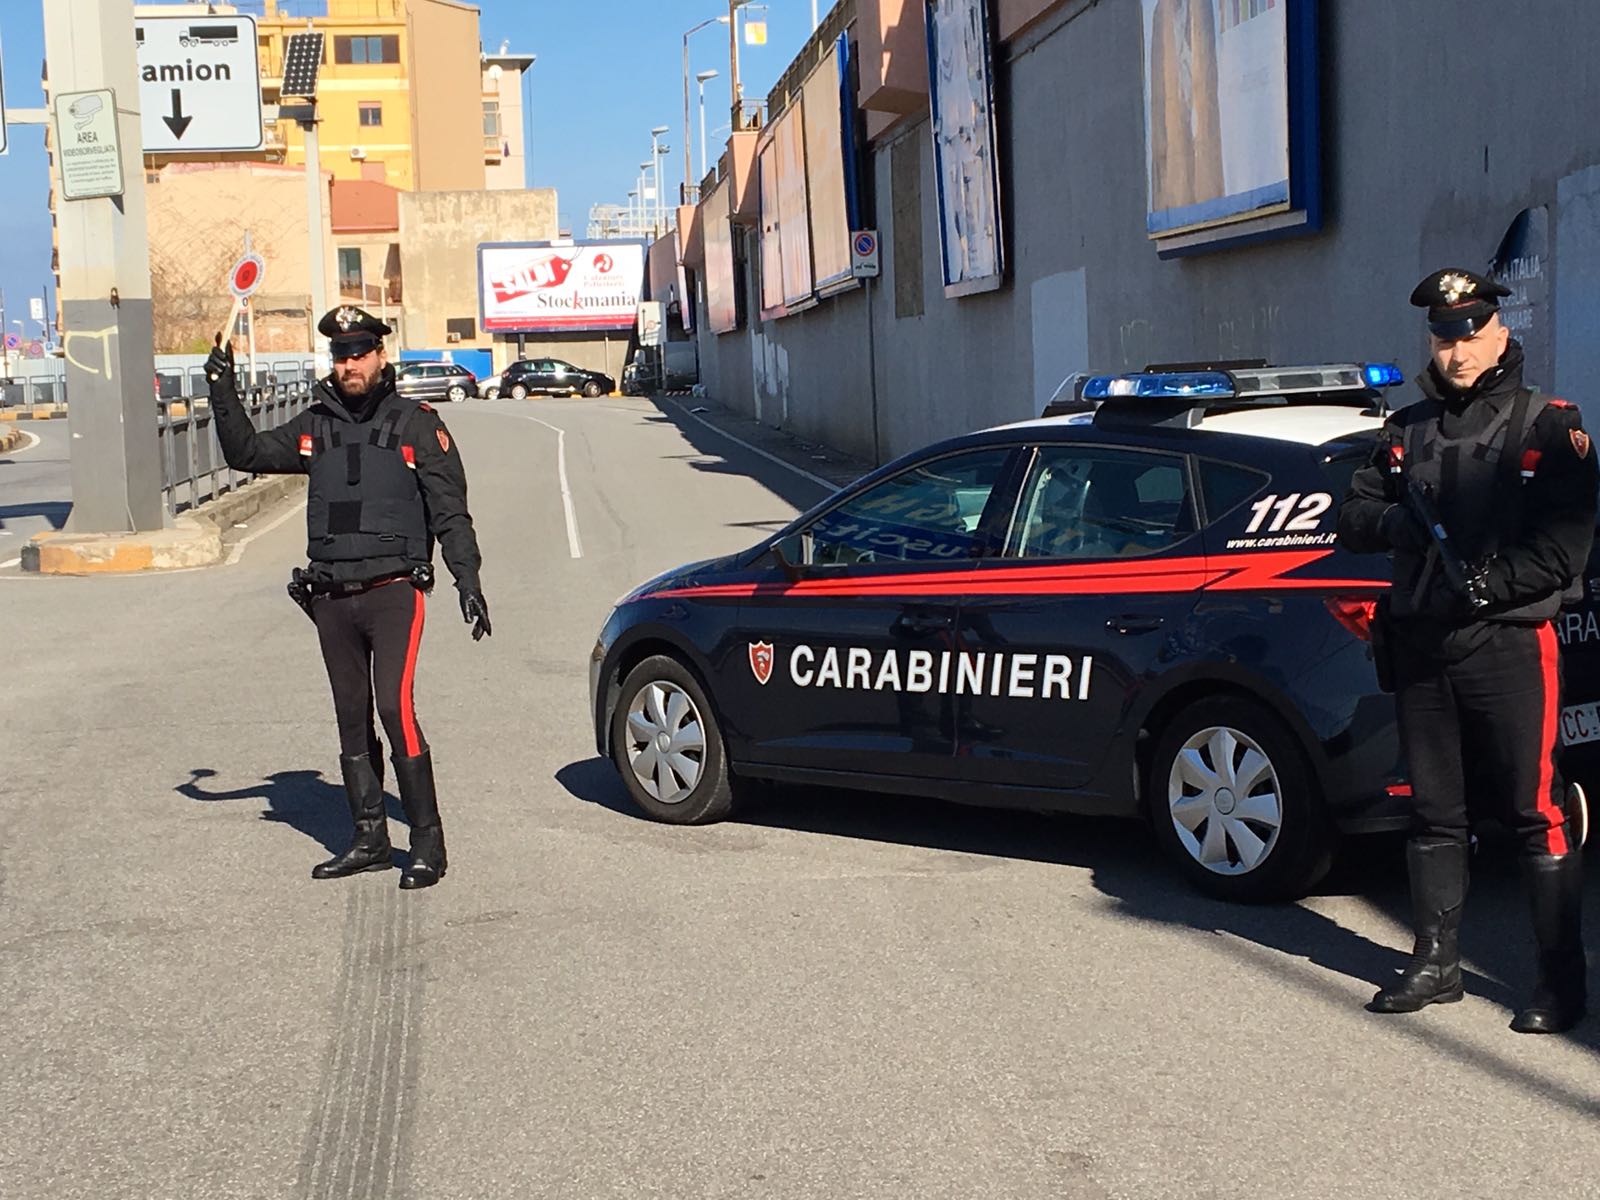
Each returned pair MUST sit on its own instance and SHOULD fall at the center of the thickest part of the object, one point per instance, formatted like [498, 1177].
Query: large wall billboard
[966, 166]
[544, 287]
[1217, 115]
[722, 301]
[825, 170]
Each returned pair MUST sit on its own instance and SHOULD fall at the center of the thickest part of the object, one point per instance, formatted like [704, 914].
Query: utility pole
[105, 285]
[318, 252]
[735, 87]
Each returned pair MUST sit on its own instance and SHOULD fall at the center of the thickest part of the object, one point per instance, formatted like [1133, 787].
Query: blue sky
[608, 71]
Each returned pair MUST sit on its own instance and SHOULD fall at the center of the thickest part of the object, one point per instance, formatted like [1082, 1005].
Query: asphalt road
[834, 996]
[35, 485]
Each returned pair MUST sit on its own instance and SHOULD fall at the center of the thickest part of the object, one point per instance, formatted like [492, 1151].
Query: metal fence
[192, 466]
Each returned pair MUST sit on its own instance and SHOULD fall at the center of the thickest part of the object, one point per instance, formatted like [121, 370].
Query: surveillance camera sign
[199, 84]
[87, 144]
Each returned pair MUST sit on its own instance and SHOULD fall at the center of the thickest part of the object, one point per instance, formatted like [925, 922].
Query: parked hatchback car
[1138, 610]
[553, 375]
[435, 381]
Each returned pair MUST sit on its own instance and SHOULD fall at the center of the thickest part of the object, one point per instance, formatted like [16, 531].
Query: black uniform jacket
[1557, 528]
[440, 474]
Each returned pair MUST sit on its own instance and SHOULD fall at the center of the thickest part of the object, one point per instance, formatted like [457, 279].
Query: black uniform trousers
[1484, 722]
[369, 644]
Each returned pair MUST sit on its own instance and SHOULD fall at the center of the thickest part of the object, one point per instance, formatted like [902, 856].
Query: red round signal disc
[246, 275]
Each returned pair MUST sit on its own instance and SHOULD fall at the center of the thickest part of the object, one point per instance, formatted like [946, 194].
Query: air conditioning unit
[358, 152]
[452, 337]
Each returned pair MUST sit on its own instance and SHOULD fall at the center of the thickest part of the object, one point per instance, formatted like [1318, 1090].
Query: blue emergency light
[1382, 375]
[1177, 385]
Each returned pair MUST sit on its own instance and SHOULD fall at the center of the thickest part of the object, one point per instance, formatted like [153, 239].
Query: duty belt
[303, 588]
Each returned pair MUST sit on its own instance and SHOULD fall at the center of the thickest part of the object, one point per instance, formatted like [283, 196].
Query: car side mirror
[792, 553]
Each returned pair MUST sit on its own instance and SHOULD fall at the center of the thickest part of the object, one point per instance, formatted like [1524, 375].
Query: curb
[10, 439]
[193, 540]
[34, 414]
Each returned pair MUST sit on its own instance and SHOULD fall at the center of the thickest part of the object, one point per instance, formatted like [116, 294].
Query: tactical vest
[1477, 482]
[364, 500]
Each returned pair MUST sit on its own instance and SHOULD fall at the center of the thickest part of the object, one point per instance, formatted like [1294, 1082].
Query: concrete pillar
[105, 286]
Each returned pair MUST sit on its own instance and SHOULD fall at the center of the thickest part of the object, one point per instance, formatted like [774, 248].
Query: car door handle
[922, 626]
[1134, 623]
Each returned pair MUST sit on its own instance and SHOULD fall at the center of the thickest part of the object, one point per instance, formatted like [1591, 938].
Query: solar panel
[301, 62]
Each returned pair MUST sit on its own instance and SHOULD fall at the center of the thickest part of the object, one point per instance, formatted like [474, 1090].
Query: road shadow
[302, 800]
[720, 454]
[1127, 865]
[54, 511]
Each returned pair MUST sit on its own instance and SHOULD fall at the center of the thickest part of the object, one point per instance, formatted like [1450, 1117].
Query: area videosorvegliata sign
[540, 287]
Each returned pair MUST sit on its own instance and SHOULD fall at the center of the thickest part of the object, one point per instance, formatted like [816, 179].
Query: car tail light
[1354, 613]
[1399, 791]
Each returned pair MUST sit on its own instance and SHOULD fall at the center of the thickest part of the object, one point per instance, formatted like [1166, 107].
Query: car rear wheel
[591, 389]
[1235, 804]
[457, 394]
[667, 745]
[518, 392]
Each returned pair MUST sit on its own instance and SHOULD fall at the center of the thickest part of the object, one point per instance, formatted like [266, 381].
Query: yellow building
[399, 93]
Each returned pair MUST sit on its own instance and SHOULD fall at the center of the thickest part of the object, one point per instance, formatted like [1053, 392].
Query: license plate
[1580, 723]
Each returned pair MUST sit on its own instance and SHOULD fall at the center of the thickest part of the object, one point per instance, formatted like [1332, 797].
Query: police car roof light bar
[1383, 375]
[1194, 386]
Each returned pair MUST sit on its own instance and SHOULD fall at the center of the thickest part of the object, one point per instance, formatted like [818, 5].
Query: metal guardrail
[192, 467]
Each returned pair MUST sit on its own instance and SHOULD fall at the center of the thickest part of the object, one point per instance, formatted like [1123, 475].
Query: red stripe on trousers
[1556, 837]
[408, 708]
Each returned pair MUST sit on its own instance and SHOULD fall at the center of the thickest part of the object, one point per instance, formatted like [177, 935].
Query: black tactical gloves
[475, 611]
[219, 369]
[1403, 529]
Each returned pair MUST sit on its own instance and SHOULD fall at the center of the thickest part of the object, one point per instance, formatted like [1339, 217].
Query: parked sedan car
[1134, 611]
[489, 386]
[435, 381]
[554, 376]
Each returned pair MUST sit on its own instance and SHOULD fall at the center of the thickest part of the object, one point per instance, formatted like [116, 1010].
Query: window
[350, 269]
[371, 113]
[1090, 502]
[368, 48]
[491, 119]
[929, 513]
[465, 327]
[1226, 486]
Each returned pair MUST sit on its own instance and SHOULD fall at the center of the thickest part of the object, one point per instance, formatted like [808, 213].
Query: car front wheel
[591, 389]
[457, 394]
[491, 393]
[518, 392]
[667, 744]
[1235, 804]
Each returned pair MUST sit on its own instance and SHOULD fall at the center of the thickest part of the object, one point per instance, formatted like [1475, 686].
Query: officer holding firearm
[1484, 493]
[386, 482]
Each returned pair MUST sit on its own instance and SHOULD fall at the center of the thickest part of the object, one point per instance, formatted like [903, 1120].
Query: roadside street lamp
[632, 197]
[683, 197]
[701, 78]
[644, 198]
[656, 151]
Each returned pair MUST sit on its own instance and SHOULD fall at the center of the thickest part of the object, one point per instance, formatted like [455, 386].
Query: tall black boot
[1555, 886]
[370, 850]
[415, 779]
[1438, 871]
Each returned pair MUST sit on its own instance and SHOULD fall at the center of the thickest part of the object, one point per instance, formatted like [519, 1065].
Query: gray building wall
[1426, 163]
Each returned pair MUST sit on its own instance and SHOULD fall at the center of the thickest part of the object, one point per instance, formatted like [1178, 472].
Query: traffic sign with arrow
[177, 122]
[199, 84]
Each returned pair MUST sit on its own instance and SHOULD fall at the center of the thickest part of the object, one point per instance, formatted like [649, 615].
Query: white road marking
[33, 440]
[829, 484]
[9, 563]
[238, 547]
[573, 544]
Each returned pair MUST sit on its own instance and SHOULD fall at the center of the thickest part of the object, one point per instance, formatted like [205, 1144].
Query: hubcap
[1224, 800]
[666, 741]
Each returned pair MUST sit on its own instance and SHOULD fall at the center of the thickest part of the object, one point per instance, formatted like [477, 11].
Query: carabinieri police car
[1134, 609]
